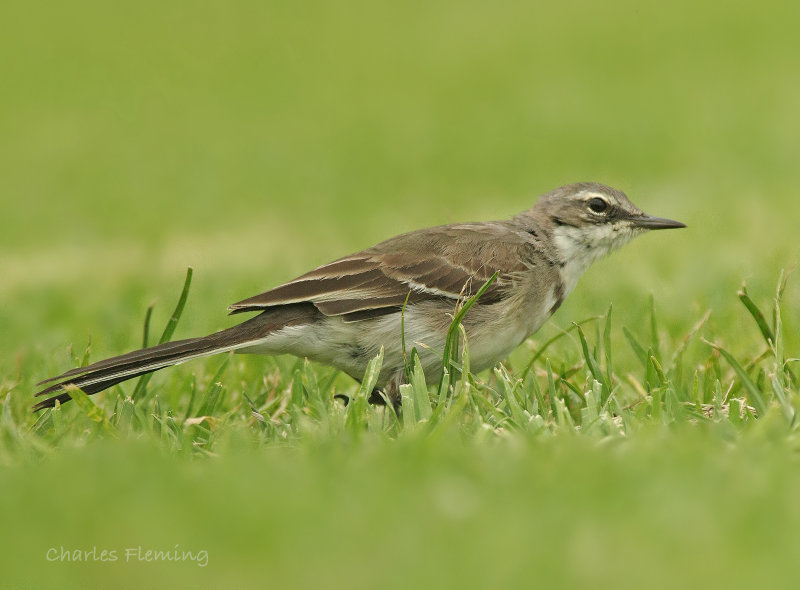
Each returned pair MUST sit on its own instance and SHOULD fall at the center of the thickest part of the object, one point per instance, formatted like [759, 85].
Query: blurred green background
[256, 140]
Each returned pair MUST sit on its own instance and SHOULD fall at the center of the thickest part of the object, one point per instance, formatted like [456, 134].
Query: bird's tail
[106, 373]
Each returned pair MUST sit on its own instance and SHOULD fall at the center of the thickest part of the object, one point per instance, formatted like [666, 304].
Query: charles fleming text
[127, 555]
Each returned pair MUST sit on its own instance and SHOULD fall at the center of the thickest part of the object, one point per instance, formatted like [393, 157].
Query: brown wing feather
[448, 262]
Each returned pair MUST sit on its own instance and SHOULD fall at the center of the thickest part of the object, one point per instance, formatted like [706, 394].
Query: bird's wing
[450, 262]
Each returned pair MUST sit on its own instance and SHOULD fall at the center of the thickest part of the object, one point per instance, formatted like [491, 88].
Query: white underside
[350, 345]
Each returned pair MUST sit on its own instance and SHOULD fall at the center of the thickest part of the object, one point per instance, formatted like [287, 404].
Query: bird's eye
[598, 205]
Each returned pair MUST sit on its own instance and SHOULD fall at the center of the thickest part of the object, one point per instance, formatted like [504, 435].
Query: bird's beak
[648, 222]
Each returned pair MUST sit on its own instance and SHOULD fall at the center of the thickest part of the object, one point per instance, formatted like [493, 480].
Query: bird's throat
[579, 247]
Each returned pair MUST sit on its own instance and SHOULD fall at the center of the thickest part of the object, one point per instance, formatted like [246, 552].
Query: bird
[406, 290]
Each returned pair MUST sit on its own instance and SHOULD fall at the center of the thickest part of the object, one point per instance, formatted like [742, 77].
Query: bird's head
[594, 217]
[588, 220]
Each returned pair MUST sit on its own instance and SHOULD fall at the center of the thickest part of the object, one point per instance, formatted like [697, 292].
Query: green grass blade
[689, 337]
[756, 314]
[607, 345]
[356, 414]
[192, 397]
[126, 413]
[406, 365]
[422, 400]
[157, 417]
[637, 348]
[451, 342]
[444, 387]
[551, 389]
[780, 357]
[654, 343]
[462, 385]
[88, 407]
[509, 394]
[553, 340]
[659, 371]
[87, 353]
[146, 330]
[754, 395]
[408, 405]
[594, 366]
[783, 370]
[59, 423]
[221, 370]
[590, 413]
[780, 394]
[172, 323]
[213, 398]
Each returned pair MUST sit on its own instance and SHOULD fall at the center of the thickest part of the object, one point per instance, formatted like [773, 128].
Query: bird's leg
[391, 391]
[378, 397]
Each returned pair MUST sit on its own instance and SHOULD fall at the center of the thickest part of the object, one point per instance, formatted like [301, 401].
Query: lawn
[656, 445]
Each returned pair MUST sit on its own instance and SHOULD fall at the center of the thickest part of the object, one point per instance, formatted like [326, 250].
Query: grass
[562, 472]
[652, 442]
[586, 395]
